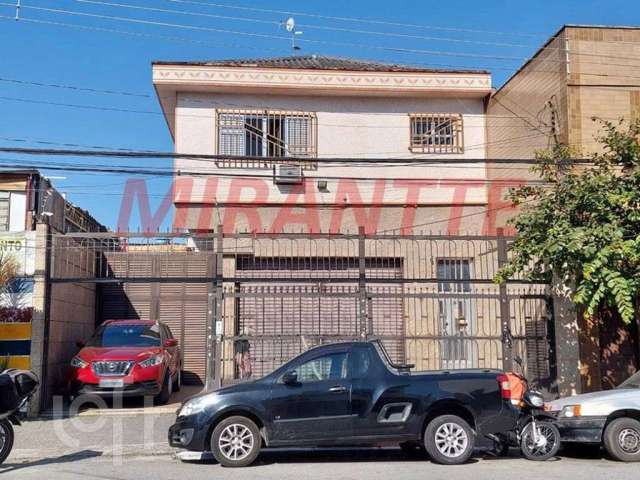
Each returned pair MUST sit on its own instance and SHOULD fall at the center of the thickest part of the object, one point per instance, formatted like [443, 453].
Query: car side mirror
[170, 342]
[79, 344]
[290, 378]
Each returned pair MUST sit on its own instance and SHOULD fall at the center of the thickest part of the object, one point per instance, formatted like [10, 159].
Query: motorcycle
[535, 433]
[16, 388]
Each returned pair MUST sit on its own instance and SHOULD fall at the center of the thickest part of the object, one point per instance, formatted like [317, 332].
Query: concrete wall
[63, 314]
[71, 318]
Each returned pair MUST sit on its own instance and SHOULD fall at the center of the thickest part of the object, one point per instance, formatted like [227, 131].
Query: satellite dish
[290, 24]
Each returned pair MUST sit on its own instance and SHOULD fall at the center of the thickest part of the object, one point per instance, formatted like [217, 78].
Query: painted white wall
[361, 127]
[17, 211]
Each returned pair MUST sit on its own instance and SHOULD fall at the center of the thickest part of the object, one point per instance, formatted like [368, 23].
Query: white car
[610, 417]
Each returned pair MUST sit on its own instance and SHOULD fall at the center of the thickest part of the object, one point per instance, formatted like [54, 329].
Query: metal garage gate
[182, 306]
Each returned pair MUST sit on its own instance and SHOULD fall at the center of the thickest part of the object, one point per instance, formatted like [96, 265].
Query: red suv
[128, 357]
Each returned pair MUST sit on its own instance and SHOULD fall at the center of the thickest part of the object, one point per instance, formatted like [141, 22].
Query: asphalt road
[334, 465]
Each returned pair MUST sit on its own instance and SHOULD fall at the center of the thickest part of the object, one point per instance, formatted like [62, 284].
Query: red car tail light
[505, 386]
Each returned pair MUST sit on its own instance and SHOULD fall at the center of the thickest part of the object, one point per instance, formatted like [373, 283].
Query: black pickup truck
[347, 394]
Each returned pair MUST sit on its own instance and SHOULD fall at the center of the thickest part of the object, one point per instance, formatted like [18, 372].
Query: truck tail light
[505, 386]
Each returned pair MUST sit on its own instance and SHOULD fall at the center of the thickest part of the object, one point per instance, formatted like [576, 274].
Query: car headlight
[570, 411]
[77, 362]
[151, 361]
[196, 405]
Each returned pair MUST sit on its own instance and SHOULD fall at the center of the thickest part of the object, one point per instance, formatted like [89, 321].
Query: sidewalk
[128, 434]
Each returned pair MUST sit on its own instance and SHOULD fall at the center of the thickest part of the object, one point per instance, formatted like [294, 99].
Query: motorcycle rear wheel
[6, 439]
[548, 443]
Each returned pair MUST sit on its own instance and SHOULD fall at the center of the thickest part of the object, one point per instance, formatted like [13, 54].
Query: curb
[124, 412]
[127, 451]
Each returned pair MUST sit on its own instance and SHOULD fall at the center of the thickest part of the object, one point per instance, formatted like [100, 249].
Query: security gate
[242, 304]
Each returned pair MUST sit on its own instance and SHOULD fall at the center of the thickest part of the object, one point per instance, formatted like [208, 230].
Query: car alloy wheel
[629, 440]
[451, 440]
[236, 442]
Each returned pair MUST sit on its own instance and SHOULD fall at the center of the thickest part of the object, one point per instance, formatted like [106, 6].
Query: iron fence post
[215, 316]
[363, 317]
[505, 314]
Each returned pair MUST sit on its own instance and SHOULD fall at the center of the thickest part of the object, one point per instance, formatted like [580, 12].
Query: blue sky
[463, 33]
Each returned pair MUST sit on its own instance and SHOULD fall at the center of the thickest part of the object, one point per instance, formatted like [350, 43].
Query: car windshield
[126, 336]
[631, 382]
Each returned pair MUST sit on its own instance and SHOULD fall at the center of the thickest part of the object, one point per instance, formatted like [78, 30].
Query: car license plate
[112, 383]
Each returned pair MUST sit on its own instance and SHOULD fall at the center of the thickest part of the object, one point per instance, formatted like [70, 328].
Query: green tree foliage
[582, 228]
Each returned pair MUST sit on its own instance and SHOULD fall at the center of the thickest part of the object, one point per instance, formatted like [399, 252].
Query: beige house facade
[310, 107]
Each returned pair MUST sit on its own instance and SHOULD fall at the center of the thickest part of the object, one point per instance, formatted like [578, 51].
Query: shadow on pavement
[583, 451]
[69, 458]
[347, 455]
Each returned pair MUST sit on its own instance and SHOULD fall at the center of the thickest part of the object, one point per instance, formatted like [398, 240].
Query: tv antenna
[290, 26]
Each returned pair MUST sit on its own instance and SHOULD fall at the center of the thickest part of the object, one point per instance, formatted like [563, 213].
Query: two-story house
[325, 113]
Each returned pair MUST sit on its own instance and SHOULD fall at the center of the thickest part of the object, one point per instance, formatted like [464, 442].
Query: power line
[205, 15]
[263, 48]
[225, 104]
[354, 19]
[144, 35]
[306, 25]
[357, 161]
[264, 35]
[194, 156]
[458, 217]
[124, 169]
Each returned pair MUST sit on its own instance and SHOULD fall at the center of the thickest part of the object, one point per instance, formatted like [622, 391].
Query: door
[456, 316]
[318, 405]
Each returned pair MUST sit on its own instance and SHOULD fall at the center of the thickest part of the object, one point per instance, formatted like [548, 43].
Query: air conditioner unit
[287, 174]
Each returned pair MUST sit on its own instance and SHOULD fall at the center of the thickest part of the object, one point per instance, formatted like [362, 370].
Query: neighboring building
[316, 106]
[39, 323]
[581, 73]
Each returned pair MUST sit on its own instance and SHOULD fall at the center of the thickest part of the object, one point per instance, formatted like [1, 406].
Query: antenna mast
[290, 25]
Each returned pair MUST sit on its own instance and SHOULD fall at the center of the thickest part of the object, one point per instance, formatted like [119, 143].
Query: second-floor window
[4, 211]
[436, 133]
[263, 133]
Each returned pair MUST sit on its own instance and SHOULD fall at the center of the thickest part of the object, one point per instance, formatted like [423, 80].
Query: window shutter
[231, 134]
[297, 136]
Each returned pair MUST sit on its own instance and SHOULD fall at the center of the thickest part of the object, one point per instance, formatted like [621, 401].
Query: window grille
[436, 133]
[263, 133]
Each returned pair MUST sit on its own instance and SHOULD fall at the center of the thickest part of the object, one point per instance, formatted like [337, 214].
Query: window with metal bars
[5, 198]
[265, 134]
[436, 133]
